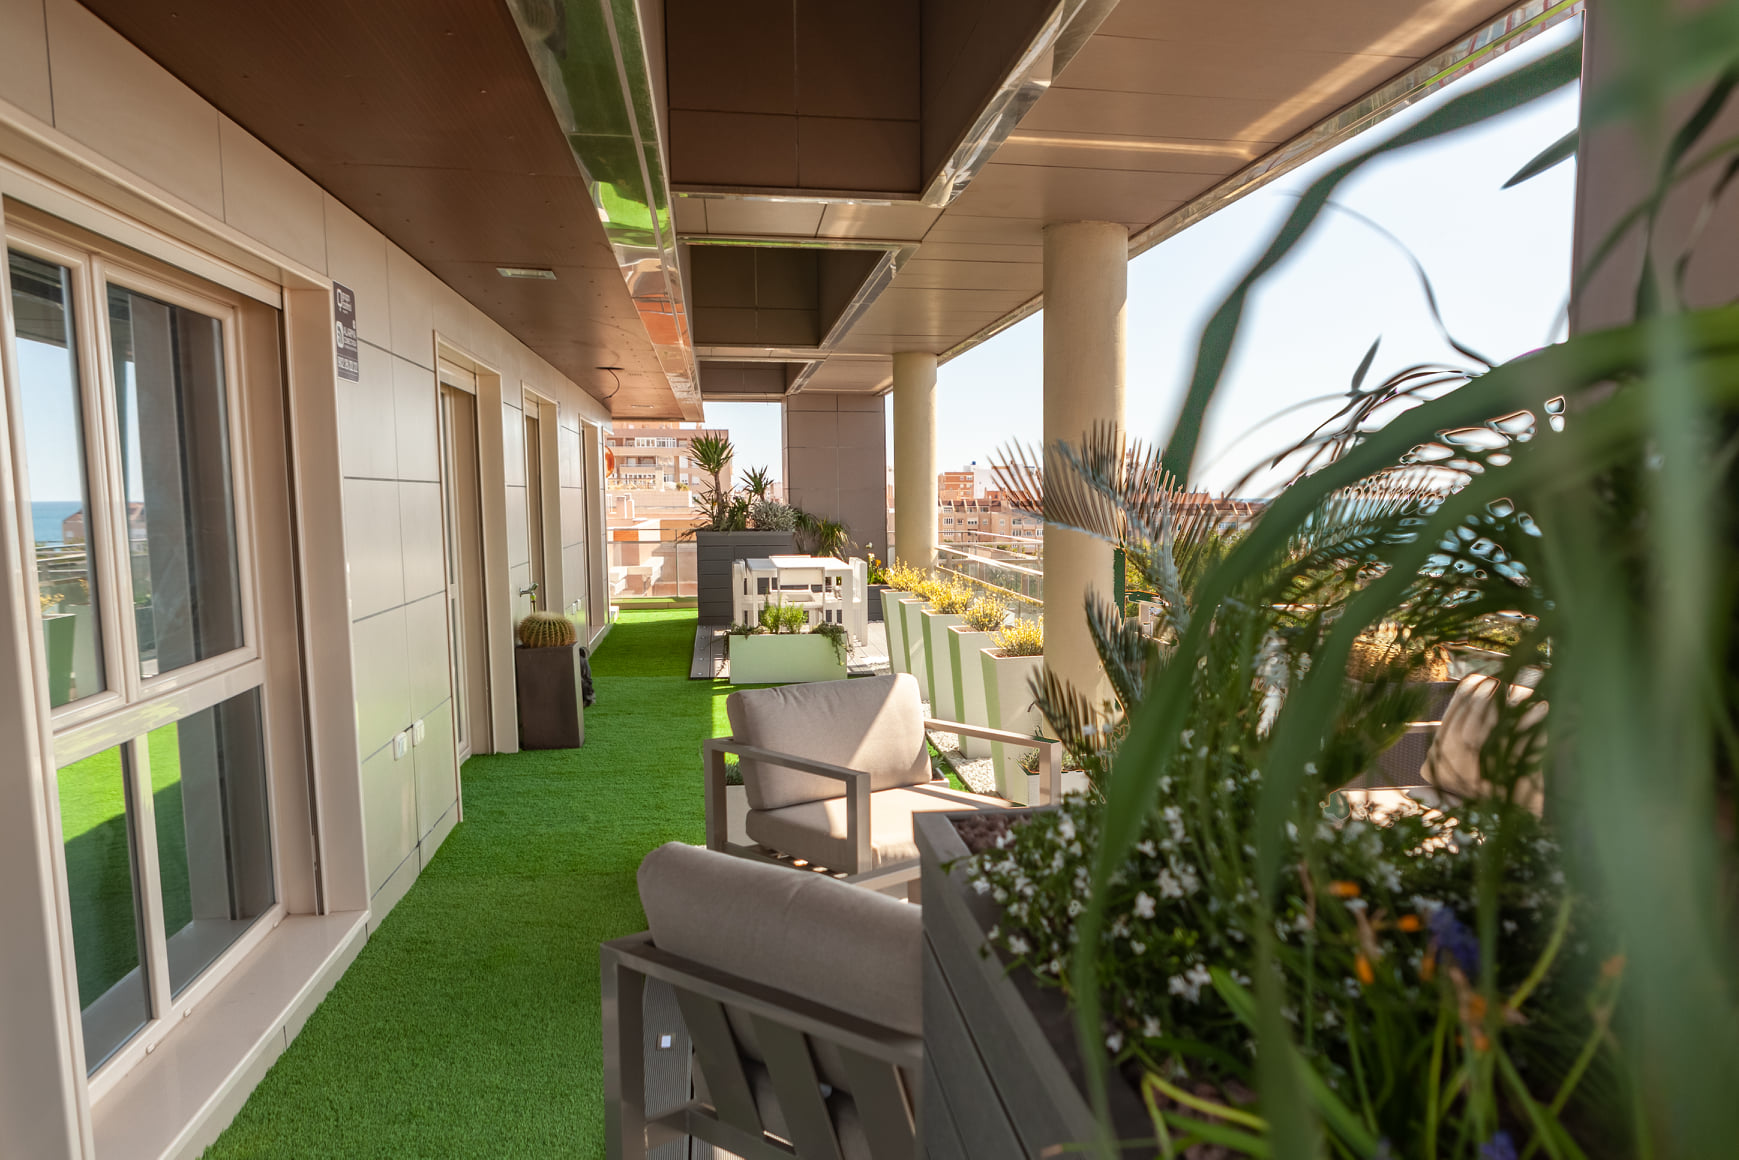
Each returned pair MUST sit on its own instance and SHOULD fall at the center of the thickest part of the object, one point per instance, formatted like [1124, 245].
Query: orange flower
[1344, 889]
[1409, 923]
[1363, 966]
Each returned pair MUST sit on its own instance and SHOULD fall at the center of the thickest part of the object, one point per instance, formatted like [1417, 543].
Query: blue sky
[1498, 259]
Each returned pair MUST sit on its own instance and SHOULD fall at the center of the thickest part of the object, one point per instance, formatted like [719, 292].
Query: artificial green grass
[469, 1024]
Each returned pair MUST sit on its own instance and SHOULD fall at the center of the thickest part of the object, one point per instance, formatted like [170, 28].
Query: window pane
[48, 374]
[112, 988]
[174, 419]
[214, 850]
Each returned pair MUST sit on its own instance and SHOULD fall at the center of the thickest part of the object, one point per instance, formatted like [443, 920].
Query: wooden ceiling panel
[429, 120]
[1194, 68]
[1348, 26]
[928, 273]
[1055, 194]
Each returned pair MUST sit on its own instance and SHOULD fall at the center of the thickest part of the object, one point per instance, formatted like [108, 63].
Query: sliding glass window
[128, 476]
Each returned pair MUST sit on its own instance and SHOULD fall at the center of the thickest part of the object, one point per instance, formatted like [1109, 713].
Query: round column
[915, 458]
[1085, 285]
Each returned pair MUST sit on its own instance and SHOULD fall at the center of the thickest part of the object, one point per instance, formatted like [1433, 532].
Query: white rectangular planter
[895, 627]
[936, 625]
[968, 672]
[1008, 702]
[912, 632]
[784, 659]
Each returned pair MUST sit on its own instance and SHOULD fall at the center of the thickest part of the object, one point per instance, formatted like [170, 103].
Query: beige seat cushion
[1452, 763]
[844, 947]
[871, 724]
[816, 830]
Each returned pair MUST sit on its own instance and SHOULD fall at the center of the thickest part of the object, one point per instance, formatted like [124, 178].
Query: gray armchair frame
[884, 1065]
[857, 797]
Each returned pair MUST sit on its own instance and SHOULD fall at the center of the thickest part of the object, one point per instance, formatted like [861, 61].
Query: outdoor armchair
[798, 996]
[1444, 754]
[833, 773]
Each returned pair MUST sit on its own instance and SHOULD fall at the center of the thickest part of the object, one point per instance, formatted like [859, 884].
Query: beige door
[466, 624]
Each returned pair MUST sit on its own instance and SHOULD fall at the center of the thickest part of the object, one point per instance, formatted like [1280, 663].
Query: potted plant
[948, 603]
[59, 632]
[726, 532]
[781, 651]
[912, 607]
[902, 579]
[550, 682]
[878, 584]
[978, 624]
[1011, 668]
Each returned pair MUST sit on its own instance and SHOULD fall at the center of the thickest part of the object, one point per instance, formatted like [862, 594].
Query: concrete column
[915, 458]
[1086, 277]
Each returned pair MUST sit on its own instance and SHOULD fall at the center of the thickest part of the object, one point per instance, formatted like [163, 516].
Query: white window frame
[131, 705]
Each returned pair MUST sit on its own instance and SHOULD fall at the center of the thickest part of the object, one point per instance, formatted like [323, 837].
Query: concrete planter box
[1008, 702]
[784, 659]
[967, 670]
[875, 605]
[896, 628]
[912, 634]
[936, 626]
[713, 554]
[551, 695]
[1003, 1074]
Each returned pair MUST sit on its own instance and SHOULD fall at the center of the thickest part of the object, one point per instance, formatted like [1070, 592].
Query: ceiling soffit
[430, 120]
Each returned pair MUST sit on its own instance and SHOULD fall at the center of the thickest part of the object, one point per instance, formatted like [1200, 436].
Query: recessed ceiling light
[526, 272]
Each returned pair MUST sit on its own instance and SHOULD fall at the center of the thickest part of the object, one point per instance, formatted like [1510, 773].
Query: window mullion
[115, 519]
[150, 881]
[111, 598]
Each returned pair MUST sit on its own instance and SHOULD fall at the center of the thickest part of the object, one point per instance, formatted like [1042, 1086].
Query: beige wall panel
[419, 437]
[420, 533]
[356, 256]
[411, 298]
[372, 546]
[267, 197]
[365, 418]
[454, 317]
[24, 57]
[389, 802]
[573, 516]
[570, 464]
[689, 215]
[782, 218]
[518, 549]
[112, 97]
[810, 426]
[381, 663]
[437, 789]
[512, 445]
[426, 654]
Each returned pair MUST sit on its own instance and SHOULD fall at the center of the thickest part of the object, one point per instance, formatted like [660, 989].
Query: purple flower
[1461, 944]
[1499, 1147]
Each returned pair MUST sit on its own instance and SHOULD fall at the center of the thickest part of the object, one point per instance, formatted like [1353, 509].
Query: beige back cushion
[871, 724]
[1452, 763]
[845, 947]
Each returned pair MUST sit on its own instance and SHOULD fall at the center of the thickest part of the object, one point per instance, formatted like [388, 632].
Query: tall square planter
[1013, 1084]
[967, 670]
[713, 554]
[936, 626]
[895, 626]
[1008, 702]
[785, 658]
[551, 692]
[912, 633]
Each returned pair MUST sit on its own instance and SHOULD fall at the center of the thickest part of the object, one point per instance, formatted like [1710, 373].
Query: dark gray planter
[551, 693]
[875, 601]
[1003, 1074]
[714, 552]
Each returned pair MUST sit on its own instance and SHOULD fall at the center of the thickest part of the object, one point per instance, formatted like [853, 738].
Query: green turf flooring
[469, 1024]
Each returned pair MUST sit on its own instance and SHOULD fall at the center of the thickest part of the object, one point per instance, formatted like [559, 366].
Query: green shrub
[783, 618]
[1022, 637]
[986, 614]
[952, 598]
